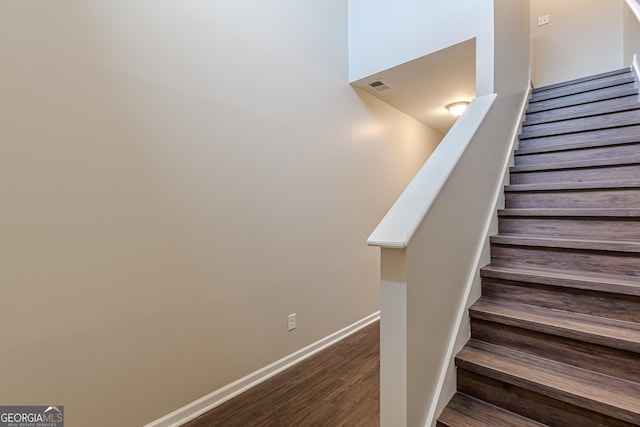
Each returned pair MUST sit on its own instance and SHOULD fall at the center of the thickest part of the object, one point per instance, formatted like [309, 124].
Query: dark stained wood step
[581, 140]
[561, 186]
[578, 164]
[595, 303]
[591, 85]
[585, 198]
[610, 283]
[607, 257]
[629, 102]
[629, 170]
[582, 213]
[594, 357]
[596, 150]
[603, 121]
[620, 71]
[531, 404]
[614, 333]
[601, 224]
[466, 411]
[583, 98]
[632, 247]
[597, 162]
[592, 391]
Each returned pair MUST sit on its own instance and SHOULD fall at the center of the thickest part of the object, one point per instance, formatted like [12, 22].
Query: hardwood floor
[339, 386]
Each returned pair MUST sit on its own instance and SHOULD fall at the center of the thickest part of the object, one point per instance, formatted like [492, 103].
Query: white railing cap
[401, 222]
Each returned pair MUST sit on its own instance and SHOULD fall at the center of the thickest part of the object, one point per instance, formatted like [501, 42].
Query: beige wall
[583, 37]
[176, 178]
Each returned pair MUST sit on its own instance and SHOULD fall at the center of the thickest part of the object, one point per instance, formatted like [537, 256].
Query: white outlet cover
[291, 323]
[543, 20]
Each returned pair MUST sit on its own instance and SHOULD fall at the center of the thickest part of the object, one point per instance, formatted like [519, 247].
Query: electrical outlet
[291, 325]
[543, 20]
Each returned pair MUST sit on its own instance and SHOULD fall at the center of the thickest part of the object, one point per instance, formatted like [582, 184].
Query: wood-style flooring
[339, 386]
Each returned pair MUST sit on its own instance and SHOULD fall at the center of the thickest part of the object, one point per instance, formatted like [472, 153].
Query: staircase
[556, 334]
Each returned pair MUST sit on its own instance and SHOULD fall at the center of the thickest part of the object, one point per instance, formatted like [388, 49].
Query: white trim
[218, 397]
[635, 8]
[451, 348]
[636, 69]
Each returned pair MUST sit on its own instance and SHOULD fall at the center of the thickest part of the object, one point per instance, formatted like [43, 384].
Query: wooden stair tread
[577, 164]
[583, 124]
[584, 327]
[565, 186]
[467, 411]
[583, 98]
[571, 213]
[618, 284]
[588, 109]
[627, 246]
[582, 140]
[614, 397]
[625, 70]
[586, 86]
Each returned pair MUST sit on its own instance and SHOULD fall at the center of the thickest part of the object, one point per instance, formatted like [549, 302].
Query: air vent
[380, 85]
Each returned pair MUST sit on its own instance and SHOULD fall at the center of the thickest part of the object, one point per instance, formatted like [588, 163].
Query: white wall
[384, 34]
[583, 37]
[176, 178]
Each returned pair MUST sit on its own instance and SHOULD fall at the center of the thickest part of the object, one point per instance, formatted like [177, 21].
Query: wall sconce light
[457, 108]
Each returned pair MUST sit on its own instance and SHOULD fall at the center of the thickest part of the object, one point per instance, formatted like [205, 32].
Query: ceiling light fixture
[457, 108]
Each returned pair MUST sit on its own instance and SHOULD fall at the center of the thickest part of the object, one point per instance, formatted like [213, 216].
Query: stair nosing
[578, 164]
[532, 240]
[607, 283]
[620, 334]
[570, 212]
[599, 141]
[573, 185]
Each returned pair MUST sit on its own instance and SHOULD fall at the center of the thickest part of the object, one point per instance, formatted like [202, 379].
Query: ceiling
[423, 87]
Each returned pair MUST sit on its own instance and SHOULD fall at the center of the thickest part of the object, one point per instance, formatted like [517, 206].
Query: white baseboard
[218, 397]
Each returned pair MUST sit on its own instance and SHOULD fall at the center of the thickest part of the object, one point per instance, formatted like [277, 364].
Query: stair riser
[589, 228]
[612, 173]
[605, 360]
[594, 138]
[586, 153]
[583, 98]
[588, 86]
[620, 307]
[567, 259]
[625, 118]
[531, 404]
[577, 111]
[619, 198]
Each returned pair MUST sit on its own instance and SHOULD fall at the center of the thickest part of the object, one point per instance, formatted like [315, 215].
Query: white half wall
[176, 178]
[583, 37]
